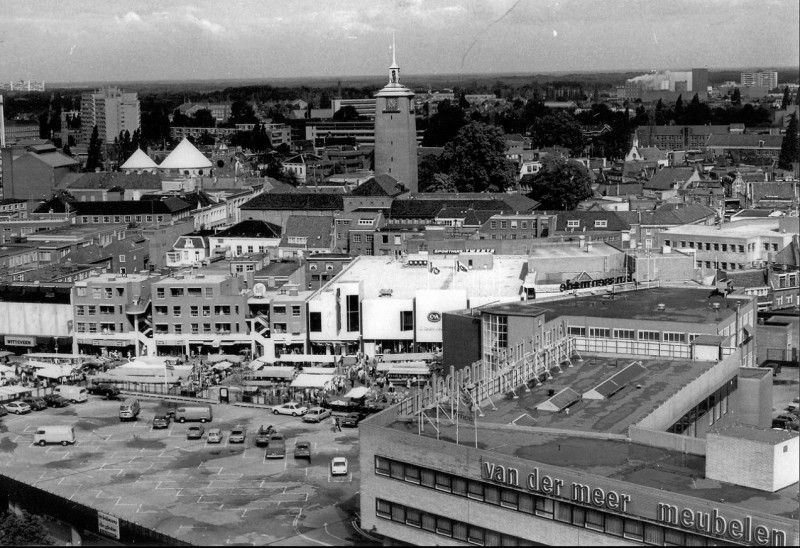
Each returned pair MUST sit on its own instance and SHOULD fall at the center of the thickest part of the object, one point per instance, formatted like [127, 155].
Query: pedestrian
[336, 422]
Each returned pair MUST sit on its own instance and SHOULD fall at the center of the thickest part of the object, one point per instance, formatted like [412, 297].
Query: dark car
[3, 411]
[108, 391]
[161, 421]
[54, 400]
[37, 404]
[302, 450]
[351, 419]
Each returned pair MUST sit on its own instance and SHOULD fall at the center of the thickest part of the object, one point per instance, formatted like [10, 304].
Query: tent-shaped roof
[139, 160]
[185, 156]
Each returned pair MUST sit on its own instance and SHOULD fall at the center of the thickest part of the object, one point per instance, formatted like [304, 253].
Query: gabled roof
[284, 201]
[89, 254]
[252, 229]
[197, 242]
[195, 199]
[56, 204]
[429, 209]
[316, 230]
[744, 140]
[139, 160]
[185, 156]
[665, 178]
[678, 130]
[790, 255]
[774, 190]
[587, 221]
[170, 206]
[52, 158]
[380, 185]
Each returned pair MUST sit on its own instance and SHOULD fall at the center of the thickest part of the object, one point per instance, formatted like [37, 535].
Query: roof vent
[662, 307]
[715, 306]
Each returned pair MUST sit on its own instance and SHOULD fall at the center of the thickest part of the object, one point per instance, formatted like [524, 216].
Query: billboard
[430, 304]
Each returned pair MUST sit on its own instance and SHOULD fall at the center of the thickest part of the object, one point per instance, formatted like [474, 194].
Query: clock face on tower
[391, 103]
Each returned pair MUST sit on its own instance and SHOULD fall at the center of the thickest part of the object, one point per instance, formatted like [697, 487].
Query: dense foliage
[560, 184]
[24, 529]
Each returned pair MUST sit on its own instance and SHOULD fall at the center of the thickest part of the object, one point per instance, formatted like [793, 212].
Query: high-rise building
[396, 130]
[700, 82]
[766, 78]
[112, 111]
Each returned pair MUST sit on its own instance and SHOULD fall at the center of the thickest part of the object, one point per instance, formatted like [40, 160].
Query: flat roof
[743, 228]
[772, 437]
[183, 279]
[683, 304]
[573, 440]
[503, 280]
[596, 249]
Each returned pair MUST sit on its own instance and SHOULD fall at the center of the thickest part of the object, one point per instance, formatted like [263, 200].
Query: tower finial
[394, 58]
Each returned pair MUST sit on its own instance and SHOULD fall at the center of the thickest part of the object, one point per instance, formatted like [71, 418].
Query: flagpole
[458, 399]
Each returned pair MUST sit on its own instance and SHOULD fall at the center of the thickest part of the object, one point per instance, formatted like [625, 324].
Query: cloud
[205, 24]
[130, 17]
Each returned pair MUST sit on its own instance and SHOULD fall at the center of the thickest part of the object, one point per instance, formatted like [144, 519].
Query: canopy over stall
[304, 380]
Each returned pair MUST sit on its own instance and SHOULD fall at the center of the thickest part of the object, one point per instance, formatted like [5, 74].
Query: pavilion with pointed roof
[187, 160]
[139, 161]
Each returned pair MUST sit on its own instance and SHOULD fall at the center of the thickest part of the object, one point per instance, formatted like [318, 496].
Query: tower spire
[394, 70]
[394, 58]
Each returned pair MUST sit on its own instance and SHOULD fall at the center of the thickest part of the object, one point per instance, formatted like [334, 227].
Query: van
[74, 394]
[129, 409]
[65, 435]
[194, 413]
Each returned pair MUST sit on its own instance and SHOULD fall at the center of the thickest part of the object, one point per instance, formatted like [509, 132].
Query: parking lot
[199, 492]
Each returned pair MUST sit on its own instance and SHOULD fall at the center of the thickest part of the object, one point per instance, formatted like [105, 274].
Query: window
[674, 337]
[369, 238]
[443, 482]
[600, 332]
[206, 328]
[649, 335]
[633, 530]
[352, 312]
[195, 328]
[79, 311]
[122, 258]
[544, 507]
[503, 224]
[383, 508]
[295, 311]
[194, 311]
[159, 293]
[356, 238]
[573, 223]
[95, 292]
[600, 223]
[81, 291]
[209, 292]
[594, 520]
[176, 291]
[178, 328]
[475, 490]
[493, 225]
[624, 334]
[406, 320]
[315, 322]
[576, 331]
[279, 309]
[81, 328]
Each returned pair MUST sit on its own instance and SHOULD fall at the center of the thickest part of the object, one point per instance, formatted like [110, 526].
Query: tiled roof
[198, 242]
[778, 190]
[379, 185]
[54, 159]
[421, 209]
[790, 255]
[317, 231]
[110, 179]
[746, 140]
[285, 201]
[89, 254]
[252, 229]
[747, 278]
[169, 206]
[669, 215]
[678, 130]
[55, 204]
[663, 179]
[587, 219]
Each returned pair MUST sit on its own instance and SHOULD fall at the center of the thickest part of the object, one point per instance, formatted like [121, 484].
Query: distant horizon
[405, 77]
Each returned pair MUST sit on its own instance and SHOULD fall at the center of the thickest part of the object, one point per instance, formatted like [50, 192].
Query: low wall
[667, 440]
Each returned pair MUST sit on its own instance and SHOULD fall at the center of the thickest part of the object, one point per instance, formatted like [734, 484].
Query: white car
[18, 407]
[338, 466]
[317, 414]
[292, 408]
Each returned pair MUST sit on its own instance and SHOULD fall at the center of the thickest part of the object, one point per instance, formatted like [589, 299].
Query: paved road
[201, 493]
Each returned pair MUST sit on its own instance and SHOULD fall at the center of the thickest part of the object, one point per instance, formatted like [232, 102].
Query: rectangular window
[563, 512]
[206, 311]
[206, 328]
[396, 470]
[195, 328]
[406, 320]
[544, 507]
[649, 335]
[594, 520]
[475, 490]
[443, 482]
[176, 311]
[178, 328]
[674, 337]
[209, 292]
[625, 334]
[352, 312]
[279, 309]
[176, 291]
[413, 517]
[600, 332]
[194, 311]
[600, 223]
[79, 311]
[509, 499]
[614, 525]
[159, 293]
[576, 331]
[574, 223]
[526, 503]
[315, 322]
[412, 474]
[633, 530]
[295, 311]
[444, 527]
[356, 238]
[491, 495]
[383, 509]
[427, 478]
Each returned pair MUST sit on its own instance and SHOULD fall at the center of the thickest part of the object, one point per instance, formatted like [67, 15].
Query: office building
[765, 78]
[112, 111]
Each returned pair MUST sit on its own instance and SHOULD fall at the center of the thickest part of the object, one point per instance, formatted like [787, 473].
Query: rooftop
[597, 249]
[743, 228]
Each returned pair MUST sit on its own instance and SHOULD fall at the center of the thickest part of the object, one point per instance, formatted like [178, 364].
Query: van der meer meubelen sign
[702, 522]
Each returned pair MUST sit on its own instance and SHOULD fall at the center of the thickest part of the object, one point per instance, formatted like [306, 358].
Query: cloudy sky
[103, 40]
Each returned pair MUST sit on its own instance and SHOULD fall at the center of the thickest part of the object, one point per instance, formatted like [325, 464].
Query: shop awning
[271, 372]
[304, 380]
[4, 353]
[403, 367]
[306, 358]
[408, 357]
[222, 366]
[357, 392]
[13, 392]
[319, 370]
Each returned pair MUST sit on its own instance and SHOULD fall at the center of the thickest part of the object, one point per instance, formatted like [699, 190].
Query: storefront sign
[108, 524]
[447, 251]
[569, 286]
[111, 342]
[430, 304]
[703, 522]
[20, 341]
[434, 317]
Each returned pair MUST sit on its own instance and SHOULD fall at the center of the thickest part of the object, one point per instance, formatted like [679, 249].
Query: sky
[141, 40]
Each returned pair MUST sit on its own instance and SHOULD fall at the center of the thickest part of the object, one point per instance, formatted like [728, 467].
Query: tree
[463, 104]
[93, 156]
[25, 529]
[347, 113]
[736, 98]
[641, 118]
[660, 117]
[476, 160]
[444, 125]
[259, 140]
[427, 169]
[789, 150]
[242, 113]
[203, 118]
[787, 100]
[679, 111]
[560, 184]
[557, 129]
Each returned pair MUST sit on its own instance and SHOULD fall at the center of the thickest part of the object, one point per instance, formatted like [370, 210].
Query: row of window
[121, 218]
[576, 223]
[445, 527]
[208, 292]
[780, 298]
[715, 406]
[281, 309]
[720, 264]
[102, 327]
[101, 292]
[511, 499]
[194, 329]
[523, 225]
[195, 310]
[632, 334]
[91, 310]
[716, 246]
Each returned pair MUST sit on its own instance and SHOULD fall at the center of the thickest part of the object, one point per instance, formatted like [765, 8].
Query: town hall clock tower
[396, 130]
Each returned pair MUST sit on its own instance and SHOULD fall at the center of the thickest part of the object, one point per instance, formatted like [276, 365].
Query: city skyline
[141, 40]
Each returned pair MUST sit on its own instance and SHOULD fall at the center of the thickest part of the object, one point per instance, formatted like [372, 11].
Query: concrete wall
[755, 398]
[750, 463]
[38, 319]
[396, 141]
[774, 334]
[786, 457]
[161, 239]
[462, 340]
[667, 440]
[381, 318]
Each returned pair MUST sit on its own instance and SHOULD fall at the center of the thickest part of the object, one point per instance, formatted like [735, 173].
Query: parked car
[351, 419]
[339, 466]
[784, 424]
[36, 403]
[18, 407]
[3, 411]
[238, 434]
[161, 421]
[292, 408]
[263, 434]
[54, 400]
[316, 414]
[214, 436]
[277, 447]
[195, 432]
[302, 450]
[108, 391]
